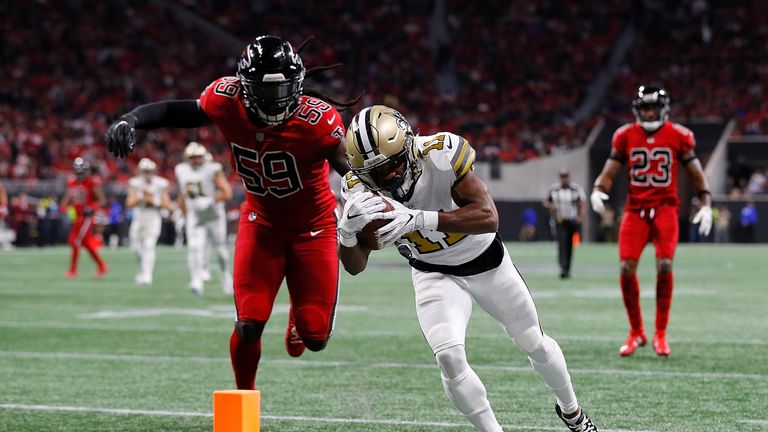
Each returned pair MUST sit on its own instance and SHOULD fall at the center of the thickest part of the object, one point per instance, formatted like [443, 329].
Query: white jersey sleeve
[447, 152]
[350, 185]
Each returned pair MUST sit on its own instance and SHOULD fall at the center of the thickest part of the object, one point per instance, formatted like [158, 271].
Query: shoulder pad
[448, 151]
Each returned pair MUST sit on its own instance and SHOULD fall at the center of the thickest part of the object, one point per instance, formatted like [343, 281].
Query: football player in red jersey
[85, 195]
[653, 148]
[282, 140]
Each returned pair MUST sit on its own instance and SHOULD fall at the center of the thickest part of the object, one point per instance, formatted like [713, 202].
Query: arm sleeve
[185, 113]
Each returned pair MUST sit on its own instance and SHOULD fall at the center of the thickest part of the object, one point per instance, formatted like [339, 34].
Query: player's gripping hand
[202, 203]
[121, 136]
[704, 218]
[597, 199]
[359, 211]
[405, 221]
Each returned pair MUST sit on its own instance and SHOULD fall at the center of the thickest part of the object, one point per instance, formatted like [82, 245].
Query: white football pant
[198, 238]
[143, 235]
[444, 305]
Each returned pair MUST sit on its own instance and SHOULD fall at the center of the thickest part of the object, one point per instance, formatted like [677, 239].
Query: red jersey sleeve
[330, 129]
[687, 140]
[216, 99]
[619, 141]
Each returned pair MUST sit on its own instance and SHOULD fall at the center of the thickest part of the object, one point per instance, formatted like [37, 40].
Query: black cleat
[582, 424]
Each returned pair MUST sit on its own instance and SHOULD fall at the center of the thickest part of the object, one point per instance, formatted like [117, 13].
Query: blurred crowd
[508, 75]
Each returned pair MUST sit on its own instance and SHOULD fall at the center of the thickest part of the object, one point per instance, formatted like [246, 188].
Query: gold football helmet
[379, 144]
[195, 154]
[147, 165]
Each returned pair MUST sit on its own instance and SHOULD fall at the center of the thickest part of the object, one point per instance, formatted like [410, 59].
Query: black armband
[619, 159]
[689, 160]
[171, 113]
[702, 193]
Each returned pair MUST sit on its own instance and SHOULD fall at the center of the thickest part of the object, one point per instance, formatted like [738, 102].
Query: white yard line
[382, 365]
[759, 422]
[344, 333]
[335, 420]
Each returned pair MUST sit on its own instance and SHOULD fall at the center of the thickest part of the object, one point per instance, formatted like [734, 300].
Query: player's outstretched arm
[121, 135]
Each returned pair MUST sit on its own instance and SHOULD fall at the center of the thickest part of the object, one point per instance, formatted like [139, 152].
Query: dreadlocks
[309, 91]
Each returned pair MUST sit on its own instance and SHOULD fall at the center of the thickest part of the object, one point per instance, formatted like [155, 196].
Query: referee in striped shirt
[566, 202]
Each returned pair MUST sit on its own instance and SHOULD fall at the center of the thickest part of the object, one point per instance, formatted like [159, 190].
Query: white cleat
[143, 280]
[205, 275]
[196, 287]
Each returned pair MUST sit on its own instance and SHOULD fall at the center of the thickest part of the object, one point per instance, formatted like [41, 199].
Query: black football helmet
[81, 167]
[271, 77]
[651, 97]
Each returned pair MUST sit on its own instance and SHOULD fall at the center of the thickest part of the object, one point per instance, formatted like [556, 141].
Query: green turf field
[105, 355]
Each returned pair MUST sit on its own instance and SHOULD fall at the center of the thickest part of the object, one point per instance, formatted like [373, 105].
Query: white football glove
[405, 221]
[597, 199]
[359, 211]
[704, 218]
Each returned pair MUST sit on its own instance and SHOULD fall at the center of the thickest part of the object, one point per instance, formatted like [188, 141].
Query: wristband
[348, 241]
[431, 219]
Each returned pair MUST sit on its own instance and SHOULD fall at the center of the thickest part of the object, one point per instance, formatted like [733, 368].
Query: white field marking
[754, 422]
[272, 329]
[216, 311]
[337, 420]
[380, 365]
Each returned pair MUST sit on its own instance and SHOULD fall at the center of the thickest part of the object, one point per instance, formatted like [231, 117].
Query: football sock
[95, 255]
[245, 357]
[630, 291]
[664, 285]
[548, 360]
[73, 260]
[465, 390]
[223, 255]
[148, 261]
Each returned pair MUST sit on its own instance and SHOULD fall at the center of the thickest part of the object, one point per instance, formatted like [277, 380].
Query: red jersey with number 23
[652, 162]
[284, 167]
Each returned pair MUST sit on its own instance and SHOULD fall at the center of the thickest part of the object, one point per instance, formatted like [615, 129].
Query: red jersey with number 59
[652, 162]
[284, 168]
[83, 193]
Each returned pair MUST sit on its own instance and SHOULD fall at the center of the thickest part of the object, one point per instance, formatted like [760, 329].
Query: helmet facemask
[651, 98]
[271, 78]
[272, 101]
[378, 175]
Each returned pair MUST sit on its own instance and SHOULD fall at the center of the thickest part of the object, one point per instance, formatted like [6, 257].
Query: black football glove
[121, 136]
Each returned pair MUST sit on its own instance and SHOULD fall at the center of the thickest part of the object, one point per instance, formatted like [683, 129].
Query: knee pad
[442, 336]
[249, 331]
[529, 340]
[452, 361]
[312, 323]
[315, 344]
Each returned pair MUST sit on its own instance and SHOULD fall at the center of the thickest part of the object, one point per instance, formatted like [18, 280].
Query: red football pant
[81, 235]
[661, 226]
[264, 256]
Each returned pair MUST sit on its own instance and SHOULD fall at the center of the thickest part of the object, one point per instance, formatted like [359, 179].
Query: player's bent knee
[664, 265]
[315, 344]
[628, 267]
[529, 341]
[249, 331]
[312, 322]
[452, 361]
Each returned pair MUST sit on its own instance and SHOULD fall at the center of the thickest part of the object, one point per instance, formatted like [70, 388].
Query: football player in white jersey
[147, 195]
[203, 192]
[445, 224]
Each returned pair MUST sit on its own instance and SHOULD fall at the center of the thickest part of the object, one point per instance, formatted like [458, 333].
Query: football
[367, 237]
